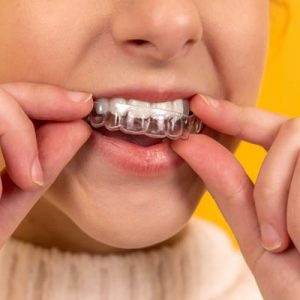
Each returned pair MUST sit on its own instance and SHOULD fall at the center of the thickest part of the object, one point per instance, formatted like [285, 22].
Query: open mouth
[140, 140]
[134, 136]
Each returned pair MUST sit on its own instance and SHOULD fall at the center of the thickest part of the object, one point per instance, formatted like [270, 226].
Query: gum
[160, 124]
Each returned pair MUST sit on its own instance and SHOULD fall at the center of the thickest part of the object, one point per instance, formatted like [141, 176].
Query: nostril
[190, 42]
[138, 42]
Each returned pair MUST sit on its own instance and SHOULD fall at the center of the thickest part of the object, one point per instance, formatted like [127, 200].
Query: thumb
[229, 185]
[57, 144]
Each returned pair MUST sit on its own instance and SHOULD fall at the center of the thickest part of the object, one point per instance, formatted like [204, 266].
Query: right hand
[54, 143]
[272, 200]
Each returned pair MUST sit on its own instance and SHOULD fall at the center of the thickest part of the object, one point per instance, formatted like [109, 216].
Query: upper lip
[149, 95]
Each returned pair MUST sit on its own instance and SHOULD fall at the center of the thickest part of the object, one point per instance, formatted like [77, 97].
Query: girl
[95, 214]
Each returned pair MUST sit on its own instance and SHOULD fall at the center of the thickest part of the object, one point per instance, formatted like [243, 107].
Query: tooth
[117, 109]
[158, 123]
[175, 127]
[96, 120]
[162, 119]
[138, 114]
[162, 109]
[181, 106]
[186, 127]
[101, 106]
[118, 106]
[157, 127]
[99, 112]
[139, 109]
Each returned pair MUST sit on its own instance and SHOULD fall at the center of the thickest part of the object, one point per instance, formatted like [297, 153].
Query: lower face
[114, 196]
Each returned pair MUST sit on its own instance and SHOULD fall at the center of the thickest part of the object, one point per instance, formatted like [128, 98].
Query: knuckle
[293, 228]
[21, 123]
[10, 110]
[292, 124]
[263, 192]
[235, 198]
[255, 265]
[28, 126]
[241, 112]
[24, 129]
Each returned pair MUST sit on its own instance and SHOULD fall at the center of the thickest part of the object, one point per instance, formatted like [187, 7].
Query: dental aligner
[158, 120]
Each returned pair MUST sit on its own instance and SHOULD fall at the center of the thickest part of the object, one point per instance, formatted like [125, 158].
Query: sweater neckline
[188, 267]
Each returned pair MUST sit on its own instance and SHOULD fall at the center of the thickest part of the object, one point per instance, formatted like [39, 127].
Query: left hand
[274, 200]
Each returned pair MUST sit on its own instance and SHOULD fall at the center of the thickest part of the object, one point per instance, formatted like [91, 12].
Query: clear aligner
[158, 120]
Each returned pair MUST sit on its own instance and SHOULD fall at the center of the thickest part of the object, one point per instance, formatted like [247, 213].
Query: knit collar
[194, 267]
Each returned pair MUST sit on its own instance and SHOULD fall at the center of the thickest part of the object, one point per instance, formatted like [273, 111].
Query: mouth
[133, 131]
[144, 122]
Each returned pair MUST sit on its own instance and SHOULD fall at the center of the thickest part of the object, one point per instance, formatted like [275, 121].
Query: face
[212, 47]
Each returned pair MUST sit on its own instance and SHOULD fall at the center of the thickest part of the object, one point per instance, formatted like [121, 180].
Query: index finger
[229, 185]
[49, 102]
[251, 124]
[57, 143]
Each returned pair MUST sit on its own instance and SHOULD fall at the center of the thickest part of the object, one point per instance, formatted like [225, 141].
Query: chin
[137, 234]
[140, 220]
[126, 212]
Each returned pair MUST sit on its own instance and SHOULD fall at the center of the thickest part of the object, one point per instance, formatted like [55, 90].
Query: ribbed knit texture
[203, 265]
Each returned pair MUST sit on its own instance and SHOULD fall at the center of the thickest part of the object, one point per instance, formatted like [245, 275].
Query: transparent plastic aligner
[155, 120]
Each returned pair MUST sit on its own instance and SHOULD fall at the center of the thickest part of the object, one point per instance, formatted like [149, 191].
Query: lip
[147, 94]
[132, 159]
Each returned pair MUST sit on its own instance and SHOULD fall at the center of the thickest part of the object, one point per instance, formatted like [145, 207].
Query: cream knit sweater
[203, 265]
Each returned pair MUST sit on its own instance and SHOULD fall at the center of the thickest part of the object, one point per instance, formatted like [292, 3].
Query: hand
[52, 145]
[274, 200]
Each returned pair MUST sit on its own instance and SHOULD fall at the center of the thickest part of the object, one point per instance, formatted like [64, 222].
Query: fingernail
[37, 172]
[270, 237]
[210, 101]
[80, 97]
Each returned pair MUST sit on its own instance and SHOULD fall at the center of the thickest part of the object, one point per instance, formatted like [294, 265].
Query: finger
[229, 185]
[251, 124]
[49, 102]
[18, 144]
[272, 187]
[293, 206]
[58, 143]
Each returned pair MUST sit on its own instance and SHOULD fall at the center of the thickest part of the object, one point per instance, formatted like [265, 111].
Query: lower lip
[136, 160]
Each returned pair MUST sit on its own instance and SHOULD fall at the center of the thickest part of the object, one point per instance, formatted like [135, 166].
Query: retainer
[141, 118]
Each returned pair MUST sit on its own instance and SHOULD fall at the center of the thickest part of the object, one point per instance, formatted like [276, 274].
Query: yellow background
[280, 93]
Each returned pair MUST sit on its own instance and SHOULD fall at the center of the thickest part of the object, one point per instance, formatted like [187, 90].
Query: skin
[103, 56]
[216, 48]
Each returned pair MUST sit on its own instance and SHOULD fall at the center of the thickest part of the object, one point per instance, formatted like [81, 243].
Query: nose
[158, 29]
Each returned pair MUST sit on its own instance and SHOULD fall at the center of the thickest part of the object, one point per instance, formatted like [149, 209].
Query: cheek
[46, 34]
[236, 34]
